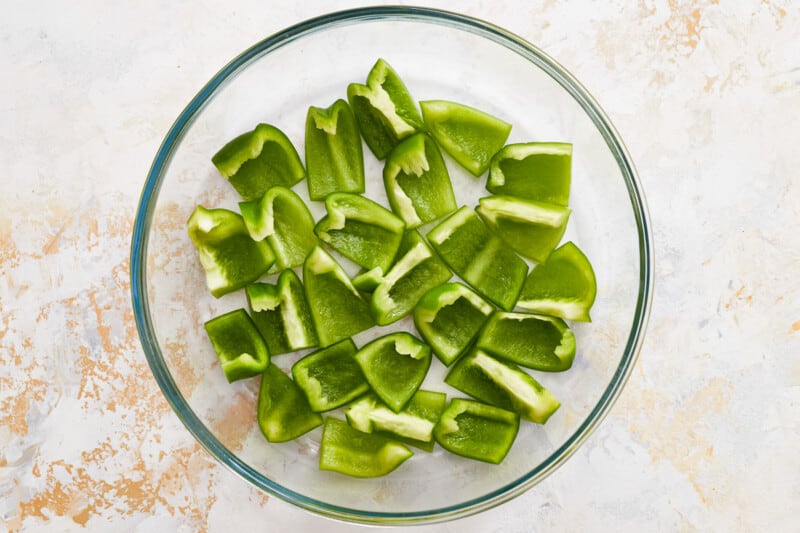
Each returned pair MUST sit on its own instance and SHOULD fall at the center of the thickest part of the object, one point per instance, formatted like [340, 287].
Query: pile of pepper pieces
[470, 327]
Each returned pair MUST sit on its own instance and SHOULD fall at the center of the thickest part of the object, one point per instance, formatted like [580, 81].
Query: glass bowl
[439, 55]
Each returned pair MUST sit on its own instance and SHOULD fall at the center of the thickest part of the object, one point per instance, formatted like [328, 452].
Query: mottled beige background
[705, 437]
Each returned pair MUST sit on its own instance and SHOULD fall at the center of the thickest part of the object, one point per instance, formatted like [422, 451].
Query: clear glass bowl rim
[149, 199]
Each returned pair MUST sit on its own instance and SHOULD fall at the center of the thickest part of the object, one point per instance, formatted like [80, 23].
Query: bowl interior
[439, 57]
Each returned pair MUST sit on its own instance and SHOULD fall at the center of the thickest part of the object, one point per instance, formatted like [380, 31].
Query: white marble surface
[705, 436]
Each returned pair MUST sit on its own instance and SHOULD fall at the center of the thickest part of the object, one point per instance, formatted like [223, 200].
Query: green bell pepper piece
[334, 155]
[283, 410]
[417, 270]
[384, 110]
[337, 308]
[533, 341]
[417, 183]
[449, 318]
[361, 230]
[413, 425]
[258, 160]
[330, 377]
[476, 430]
[532, 229]
[241, 351]
[284, 220]
[533, 171]
[395, 366]
[358, 454]
[479, 257]
[469, 135]
[281, 314]
[230, 258]
[564, 286]
[502, 384]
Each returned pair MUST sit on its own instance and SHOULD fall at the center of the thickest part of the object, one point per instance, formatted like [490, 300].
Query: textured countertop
[705, 436]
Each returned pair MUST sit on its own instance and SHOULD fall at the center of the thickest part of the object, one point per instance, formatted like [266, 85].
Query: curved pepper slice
[476, 430]
[361, 230]
[337, 308]
[330, 377]
[564, 286]
[395, 366]
[413, 425]
[533, 171]
[479, 257]
[417, 270]
[502, 384]
[281, 314]
[449, 318]
[284, 220]
[469, 135]
[241, 351]
[534, 341]
[283, 410]
[384, 110]
[230, 258]
[417, 183]
[259, 159]
[334, 156]
[358, 454]
[532, 229]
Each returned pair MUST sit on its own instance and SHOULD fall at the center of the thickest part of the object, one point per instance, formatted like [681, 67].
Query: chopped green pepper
[333, 151]
[281, 314]
[417, 183]
[564, 286]
[479, 257]
[502, 384]
[230, 258]
[413, 425]
[417, 270]
[534, 341]
[532, 229]
[361, 230]
[395, 366]
[449, 318]
[358, 454]
[337, 308]
[476, 430]
[469, 135]
[330, 377]
[283, 410]
[533, 171]
[241, 351]
[257, 160]
[384, 110]
[284, 220]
